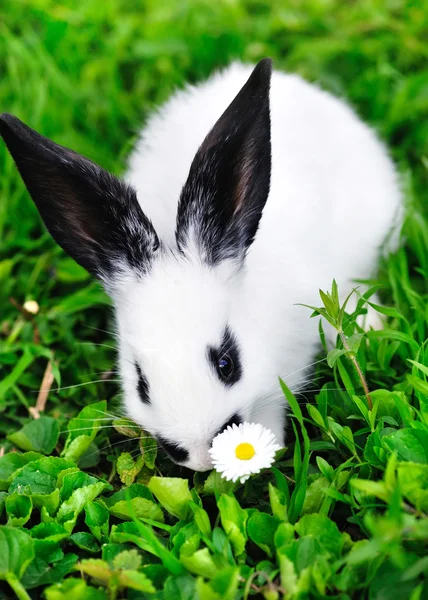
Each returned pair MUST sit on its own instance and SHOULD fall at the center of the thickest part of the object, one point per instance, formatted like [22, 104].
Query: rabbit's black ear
[90, 213]
[228, 184]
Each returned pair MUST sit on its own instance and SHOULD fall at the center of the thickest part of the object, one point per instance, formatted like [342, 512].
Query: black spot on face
[176, 452]
[225, 360]
[234, 420]
[142, 386]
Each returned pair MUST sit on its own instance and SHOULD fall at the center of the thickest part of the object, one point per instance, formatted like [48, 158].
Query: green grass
[345, 512]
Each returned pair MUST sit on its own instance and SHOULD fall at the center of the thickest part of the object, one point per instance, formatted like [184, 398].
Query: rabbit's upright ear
[228, 184]
[95, 217]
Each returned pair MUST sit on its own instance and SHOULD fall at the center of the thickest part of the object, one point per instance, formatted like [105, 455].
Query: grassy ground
[345, 513]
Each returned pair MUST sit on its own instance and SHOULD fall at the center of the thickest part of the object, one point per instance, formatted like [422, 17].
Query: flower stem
[357, 368]
[17, 587]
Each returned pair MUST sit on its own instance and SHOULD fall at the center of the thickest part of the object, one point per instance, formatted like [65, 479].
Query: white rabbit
[225, 226]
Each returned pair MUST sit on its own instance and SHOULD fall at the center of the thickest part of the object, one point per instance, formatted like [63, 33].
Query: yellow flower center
[245, 451]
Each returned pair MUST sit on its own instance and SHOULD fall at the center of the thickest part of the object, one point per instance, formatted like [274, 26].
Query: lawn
[88, 509]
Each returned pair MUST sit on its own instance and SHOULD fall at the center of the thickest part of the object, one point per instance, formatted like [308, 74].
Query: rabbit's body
[250, 214]
[332, 201]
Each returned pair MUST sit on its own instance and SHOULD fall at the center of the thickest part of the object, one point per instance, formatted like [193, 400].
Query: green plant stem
[17, 587]
[357, 368]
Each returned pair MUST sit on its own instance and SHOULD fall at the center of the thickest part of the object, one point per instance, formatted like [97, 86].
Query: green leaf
[144, 537]
[200, 563]
[190, 544]
[173, 494]
[136, 581]
[49, 550]
[96, 568]
[333, 355]
[319, 311]
[390, 334]
[388, 583]
[134, 500]
[49, 531]
[371, 488]
[284, 534]
[85, 541]
[128, 559]
[40, 435]
[202, 520]
[374, 452]
[326, 469]
[343, 434]
[185, 534]
[39, 477]
[72, 481]
[16, 551]
[204, 590]
[70, 509]
[261, 530]
[418, 384]
[331, 307]
[226, 583]
[278, 504]
[128, 468]
[74, 588]
[409, 444]
[233, 519]
[83, 430]
[304, 552]
[40, 572]
[418, 365]
[323, 530]
[97, 519]
[288, 573]
[316, 416]
[38, 480]
[128, 532]
[387, 403]
[11, 463]
[301, 463]
[222, 546]
[19, 368]
[127, 428]
[18, 509]
[413, 482]
[315, 494]
[215, 484]
[110, 551]
[149, 449]
[181, 587]
[354, 342]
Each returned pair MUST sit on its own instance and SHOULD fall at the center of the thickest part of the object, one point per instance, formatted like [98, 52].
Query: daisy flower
[243, 450]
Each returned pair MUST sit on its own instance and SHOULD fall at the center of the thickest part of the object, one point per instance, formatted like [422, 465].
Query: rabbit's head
[185, 369]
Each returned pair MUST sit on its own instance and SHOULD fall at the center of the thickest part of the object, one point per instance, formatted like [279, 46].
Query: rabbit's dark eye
[225, 367]
[225, 360]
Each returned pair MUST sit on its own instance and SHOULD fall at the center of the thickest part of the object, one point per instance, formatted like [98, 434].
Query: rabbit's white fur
[333, 199]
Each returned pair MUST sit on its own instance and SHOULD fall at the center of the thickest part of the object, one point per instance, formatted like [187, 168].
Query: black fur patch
[234, 420]
[229, 346]
[142, 385]
[94, 216]
[176, 452]
[229, 179]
